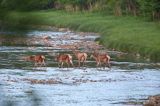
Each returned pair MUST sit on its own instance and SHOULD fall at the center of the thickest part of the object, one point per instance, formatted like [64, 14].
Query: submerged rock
[43, 81]
[153, 101]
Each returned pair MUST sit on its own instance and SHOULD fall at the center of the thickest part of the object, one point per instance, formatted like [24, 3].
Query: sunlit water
[126, 84]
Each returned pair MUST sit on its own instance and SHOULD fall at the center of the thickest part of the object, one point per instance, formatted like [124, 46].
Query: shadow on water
[14, 26]
[17, 21]
[30, 95]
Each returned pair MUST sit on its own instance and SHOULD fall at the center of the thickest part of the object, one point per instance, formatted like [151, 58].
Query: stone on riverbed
[153, 101]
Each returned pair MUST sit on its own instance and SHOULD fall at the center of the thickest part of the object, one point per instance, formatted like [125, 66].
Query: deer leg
[109, 65]
[71, 63]
[105, 65]
[67, 64]
[39, 63]
[100, 65]
[97, 64]
[79, 64]
[48, 43]
[83, 60]
[83, 63]
[35, 64]
[59, 65]
[44, 64]
[62, 65]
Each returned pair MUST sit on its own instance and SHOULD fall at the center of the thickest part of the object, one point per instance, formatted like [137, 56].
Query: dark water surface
[128, 83]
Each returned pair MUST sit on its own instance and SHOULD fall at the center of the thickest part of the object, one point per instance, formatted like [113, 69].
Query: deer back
[62, 58]
[39, 58]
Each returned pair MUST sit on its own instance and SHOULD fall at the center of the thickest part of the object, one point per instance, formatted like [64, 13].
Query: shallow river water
[127, 83]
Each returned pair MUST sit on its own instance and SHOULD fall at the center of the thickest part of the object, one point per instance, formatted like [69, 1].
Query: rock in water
[153, 101]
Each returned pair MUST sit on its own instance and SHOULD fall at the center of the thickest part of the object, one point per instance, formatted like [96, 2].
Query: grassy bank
[129, 34]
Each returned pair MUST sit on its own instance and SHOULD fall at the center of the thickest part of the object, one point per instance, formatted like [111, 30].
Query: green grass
[129, 34]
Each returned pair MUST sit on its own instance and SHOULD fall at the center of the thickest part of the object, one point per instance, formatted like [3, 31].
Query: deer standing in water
[37, 59]
[64, 58]
[81, 56]
[101, 58]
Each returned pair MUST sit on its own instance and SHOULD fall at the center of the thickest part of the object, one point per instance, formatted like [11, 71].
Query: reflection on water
[129, 82]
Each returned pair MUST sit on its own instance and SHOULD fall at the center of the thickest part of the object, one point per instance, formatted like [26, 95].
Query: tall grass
[129, 34]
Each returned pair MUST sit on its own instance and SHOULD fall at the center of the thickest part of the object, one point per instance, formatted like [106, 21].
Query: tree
[156, 10]
[150, 8]
[24, 4]
[115, 5]
[131, 7]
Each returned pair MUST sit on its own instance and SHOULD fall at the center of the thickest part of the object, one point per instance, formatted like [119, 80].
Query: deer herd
[100, 58]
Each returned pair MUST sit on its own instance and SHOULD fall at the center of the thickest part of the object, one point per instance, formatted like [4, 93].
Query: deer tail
[108, 57]
[43, 57]
[70, 58]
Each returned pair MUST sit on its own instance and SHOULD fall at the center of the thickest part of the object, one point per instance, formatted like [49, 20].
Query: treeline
[146, 8]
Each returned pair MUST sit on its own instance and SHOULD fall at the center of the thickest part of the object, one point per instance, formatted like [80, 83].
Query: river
[129, 82]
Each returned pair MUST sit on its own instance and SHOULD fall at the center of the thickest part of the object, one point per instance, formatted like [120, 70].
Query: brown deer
[37, 59]
[101, 58]
[64, 58]
[81, 56]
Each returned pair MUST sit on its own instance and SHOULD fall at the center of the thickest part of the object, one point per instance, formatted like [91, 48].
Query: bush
[24, 4]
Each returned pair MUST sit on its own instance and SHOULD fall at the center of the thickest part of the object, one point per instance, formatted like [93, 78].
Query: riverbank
[128, 34]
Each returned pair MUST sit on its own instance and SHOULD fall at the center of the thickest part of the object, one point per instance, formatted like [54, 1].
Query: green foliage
[150, 8]
[24, 4]
[146, 8]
